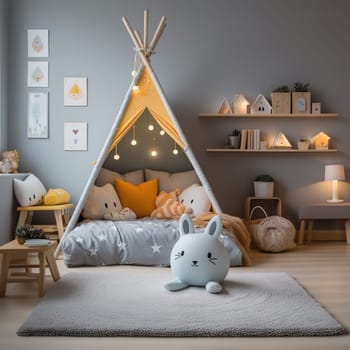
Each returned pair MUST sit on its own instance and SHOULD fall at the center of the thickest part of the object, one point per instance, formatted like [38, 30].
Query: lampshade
[334, 172]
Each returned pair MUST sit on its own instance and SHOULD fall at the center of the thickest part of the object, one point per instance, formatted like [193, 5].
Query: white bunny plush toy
[199, 259]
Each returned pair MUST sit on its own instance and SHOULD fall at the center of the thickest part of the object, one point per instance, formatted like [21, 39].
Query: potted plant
[263, 186]
[235, 139]
[25, 232]
[303, 145]
[280, 100]
[301, 97]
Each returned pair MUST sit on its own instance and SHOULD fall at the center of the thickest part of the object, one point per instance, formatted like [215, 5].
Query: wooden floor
[322, 268]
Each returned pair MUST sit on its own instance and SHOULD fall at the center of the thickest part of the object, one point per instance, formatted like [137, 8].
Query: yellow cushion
[56, 196]
[139, 198]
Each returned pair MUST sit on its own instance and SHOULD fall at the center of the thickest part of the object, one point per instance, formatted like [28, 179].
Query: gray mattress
[145, 241]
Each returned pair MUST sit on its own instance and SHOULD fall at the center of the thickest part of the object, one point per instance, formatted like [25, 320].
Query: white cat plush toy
[199, 259]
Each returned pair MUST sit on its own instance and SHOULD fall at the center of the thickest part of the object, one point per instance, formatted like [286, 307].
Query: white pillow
[107, 176]
[101, 201]
[196, 198]
[168, 182]
[29, 191]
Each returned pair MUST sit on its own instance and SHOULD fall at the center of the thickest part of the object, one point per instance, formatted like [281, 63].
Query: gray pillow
[107, 176]
[170, 181]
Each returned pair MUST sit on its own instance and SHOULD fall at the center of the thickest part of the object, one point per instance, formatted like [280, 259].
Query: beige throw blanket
[236, 228]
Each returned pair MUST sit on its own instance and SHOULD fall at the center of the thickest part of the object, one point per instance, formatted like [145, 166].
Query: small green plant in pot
[25, 232]
[263, 186]
[235, 139]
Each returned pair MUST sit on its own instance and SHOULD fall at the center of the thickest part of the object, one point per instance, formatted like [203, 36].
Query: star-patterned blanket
[146, 241]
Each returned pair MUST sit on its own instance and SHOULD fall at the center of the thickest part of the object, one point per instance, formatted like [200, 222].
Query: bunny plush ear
[186, 225]
[214, 227]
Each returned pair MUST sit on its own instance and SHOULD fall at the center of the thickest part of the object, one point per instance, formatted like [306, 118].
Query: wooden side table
[323, 211]
[251, 202]
[45, 255]
[60, 211]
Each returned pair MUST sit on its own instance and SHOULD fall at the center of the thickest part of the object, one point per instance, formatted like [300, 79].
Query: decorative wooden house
[321, 140]
[281, 102]
[281, 141]
[240, 104]
[225, 107]
[260, 106]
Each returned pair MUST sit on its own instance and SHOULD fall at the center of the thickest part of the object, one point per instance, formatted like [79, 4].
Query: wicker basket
[253, 224]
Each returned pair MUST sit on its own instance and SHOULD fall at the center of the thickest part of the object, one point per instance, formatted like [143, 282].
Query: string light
[175, 150]
[116, 156]
[154, 152]
[150, 124]
[133, 141]
[135, 88]
[162, 132]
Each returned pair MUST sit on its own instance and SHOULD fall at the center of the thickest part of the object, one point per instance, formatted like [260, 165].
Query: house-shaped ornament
[240, 104]
[281, 141]
[321, 140]
[260, 106]
[225, 107]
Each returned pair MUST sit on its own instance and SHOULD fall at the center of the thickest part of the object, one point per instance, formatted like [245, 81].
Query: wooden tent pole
[131, 33]
[158, 33]
[139, 40]
[145, 30]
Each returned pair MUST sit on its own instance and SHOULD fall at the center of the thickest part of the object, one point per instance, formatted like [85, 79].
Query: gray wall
[210, 50]
[3, 75]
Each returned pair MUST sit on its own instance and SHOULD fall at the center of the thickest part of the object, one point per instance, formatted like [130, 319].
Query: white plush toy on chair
[199, 259]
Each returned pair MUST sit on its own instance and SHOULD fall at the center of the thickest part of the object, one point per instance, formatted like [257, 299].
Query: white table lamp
[334, 173]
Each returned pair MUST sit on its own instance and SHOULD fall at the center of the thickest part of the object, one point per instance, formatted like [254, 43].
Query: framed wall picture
[38, 43]
[37, 115]
[75, 91]
[75, 136]
[38, 74]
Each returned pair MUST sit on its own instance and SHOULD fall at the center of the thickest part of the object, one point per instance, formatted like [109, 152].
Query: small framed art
[75, 136]
[37, 123]
[75, 91]
[38, 74]
[38, 43]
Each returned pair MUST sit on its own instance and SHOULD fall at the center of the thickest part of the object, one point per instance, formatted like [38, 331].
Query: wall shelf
[309, 115]
[277, 150]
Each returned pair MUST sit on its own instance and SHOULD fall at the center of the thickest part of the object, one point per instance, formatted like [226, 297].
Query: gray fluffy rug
[134, 303]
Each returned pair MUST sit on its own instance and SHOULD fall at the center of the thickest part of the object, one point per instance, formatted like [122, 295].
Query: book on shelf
[250, 139]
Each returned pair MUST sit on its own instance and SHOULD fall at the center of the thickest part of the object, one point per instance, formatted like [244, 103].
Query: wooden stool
[45, 255]
[323, 211]
[251, 202]
[61, 212]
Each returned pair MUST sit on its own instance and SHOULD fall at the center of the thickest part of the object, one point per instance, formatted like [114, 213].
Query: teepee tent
[144, 93]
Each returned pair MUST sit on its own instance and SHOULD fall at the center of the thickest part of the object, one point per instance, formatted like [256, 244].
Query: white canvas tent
[149, 95]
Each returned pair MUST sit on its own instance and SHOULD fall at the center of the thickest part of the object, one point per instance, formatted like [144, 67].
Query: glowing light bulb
[135, 88]
[116, 156]
[133, 140]
[154, 153]
[133, 73]
[150, 127]
[162, 132]
[175, 151]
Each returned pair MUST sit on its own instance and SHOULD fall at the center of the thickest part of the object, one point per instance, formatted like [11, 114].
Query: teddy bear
[10, 162]
[167, 206]
[199, 259]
